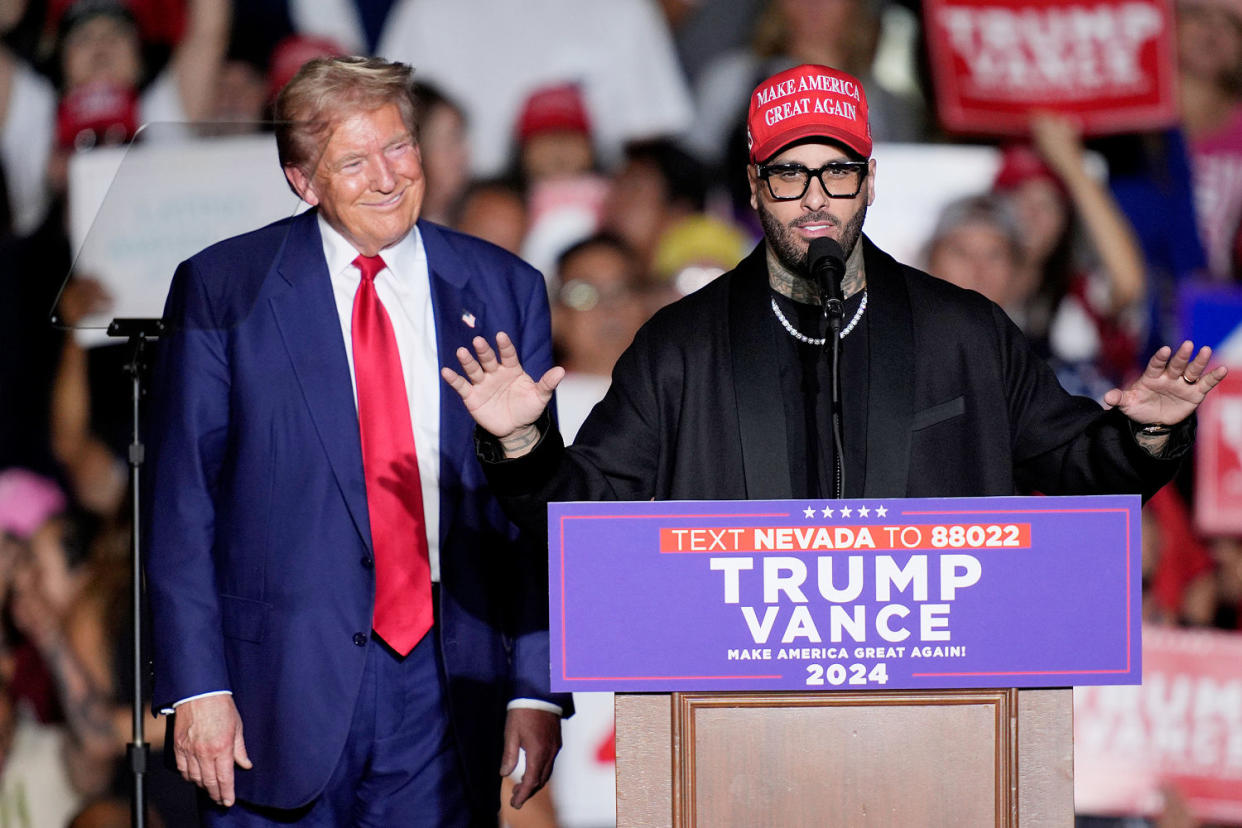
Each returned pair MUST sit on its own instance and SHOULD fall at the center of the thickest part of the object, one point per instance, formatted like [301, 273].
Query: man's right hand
[501, 397]
[207, 740]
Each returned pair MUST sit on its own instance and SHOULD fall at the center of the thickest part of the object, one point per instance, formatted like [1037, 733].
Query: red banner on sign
[1218, 459]
[1110, 64]
[1180, 730]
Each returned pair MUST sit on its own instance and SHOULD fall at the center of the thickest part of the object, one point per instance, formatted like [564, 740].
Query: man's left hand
[537, 732]
[1171, 387]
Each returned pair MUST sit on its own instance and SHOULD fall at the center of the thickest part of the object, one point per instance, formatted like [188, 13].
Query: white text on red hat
[814, 83]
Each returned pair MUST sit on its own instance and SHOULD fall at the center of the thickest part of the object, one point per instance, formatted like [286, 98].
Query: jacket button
[360, 639]
[367, 562]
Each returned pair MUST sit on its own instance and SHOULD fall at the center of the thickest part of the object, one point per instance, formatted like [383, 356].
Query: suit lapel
[756, 383]
[890, 378]
[461, 315]
[310, 327]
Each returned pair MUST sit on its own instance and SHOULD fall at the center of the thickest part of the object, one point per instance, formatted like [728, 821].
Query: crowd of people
[602, 141]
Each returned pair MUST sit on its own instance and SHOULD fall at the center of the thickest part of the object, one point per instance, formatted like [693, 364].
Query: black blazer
[958, 405]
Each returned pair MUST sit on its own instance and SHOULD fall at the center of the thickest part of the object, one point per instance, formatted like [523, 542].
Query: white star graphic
[845, 511]
[881, 511]
[827, 511]
[863, 511]
[809, 511]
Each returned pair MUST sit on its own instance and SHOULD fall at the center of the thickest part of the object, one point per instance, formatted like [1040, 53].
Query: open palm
[1170, 388]
[501, 397]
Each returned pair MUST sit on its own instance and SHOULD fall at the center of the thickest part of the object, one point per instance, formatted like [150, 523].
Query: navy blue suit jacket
[258, 534]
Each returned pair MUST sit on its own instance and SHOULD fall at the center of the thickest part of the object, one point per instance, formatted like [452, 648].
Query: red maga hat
[553, 109]
[805, 102]
[1021, 163]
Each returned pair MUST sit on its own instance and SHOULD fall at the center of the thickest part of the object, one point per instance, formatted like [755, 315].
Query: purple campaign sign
[849, 594]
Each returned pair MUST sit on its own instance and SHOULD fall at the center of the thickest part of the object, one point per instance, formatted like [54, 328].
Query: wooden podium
[960, 758]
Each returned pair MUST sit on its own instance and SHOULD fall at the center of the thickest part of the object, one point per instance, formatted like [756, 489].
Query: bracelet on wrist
[1155, 429]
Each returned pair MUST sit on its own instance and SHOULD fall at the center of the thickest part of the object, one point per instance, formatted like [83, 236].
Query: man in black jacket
[725, 394]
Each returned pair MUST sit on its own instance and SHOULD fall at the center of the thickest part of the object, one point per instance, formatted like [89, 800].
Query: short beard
[784, 240]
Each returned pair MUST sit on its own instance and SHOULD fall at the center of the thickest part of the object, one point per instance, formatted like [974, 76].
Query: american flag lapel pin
[468, 318]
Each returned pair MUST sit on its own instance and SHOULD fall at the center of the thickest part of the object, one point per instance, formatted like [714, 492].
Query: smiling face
[789, 226]
[368, 182]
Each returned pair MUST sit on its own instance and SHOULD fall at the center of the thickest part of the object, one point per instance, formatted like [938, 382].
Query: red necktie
[394, 494]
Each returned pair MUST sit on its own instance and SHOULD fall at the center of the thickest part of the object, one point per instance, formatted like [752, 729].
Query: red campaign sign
[1180, 730]
[1218, 459]
[1110, 64]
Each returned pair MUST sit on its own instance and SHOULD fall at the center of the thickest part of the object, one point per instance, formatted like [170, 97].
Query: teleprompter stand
[139, 333]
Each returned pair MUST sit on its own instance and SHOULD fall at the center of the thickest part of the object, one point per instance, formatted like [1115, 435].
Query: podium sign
[845, 595]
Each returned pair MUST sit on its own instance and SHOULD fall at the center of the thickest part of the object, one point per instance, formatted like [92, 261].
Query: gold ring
[1189, 381]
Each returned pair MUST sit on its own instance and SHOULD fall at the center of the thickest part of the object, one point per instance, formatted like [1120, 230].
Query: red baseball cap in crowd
[553, 109]
[291, 53]
[1020, 163]
[807, 101]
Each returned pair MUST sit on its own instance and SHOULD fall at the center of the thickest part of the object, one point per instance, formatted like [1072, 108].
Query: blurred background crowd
[603, 141]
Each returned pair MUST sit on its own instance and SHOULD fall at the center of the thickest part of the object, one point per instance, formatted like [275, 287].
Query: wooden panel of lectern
[960, 758]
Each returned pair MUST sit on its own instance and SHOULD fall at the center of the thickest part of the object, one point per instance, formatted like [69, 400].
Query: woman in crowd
[1083, 276]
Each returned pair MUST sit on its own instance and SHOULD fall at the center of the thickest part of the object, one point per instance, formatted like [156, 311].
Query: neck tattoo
[855, 278]
[787, 283]
[801, 289]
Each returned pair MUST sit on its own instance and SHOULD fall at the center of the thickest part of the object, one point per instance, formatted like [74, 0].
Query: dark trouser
[399, 766]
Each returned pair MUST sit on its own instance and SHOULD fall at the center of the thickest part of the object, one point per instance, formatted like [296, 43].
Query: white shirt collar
[405, 259]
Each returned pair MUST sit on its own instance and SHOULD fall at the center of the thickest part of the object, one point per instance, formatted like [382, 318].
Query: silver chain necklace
[810, 340]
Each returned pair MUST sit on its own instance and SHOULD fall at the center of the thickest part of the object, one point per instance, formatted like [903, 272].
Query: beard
[788, 245]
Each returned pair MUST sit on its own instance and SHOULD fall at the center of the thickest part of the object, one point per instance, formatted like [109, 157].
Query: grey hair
[986, 208]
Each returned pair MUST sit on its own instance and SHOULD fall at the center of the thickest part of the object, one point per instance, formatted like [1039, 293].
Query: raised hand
[501, 397]
[1059, 141]
[1171, 387]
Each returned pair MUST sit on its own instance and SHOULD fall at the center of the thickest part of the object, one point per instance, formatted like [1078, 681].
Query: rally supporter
[493, 209]
[1209, 41]
[445, 154]
[555, 163]
[657, 186]
[553, 136]
[1078, 298]
[597, 308]
[977, 245]
[106, 91]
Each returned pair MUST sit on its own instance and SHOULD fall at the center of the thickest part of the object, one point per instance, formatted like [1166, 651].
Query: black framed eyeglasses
[840, 179]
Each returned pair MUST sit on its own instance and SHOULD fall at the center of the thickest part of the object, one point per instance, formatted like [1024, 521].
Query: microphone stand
[834, 314]
[826, 262]
[139, 332]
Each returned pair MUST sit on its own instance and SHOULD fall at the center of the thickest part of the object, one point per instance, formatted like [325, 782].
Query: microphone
[827, 265]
